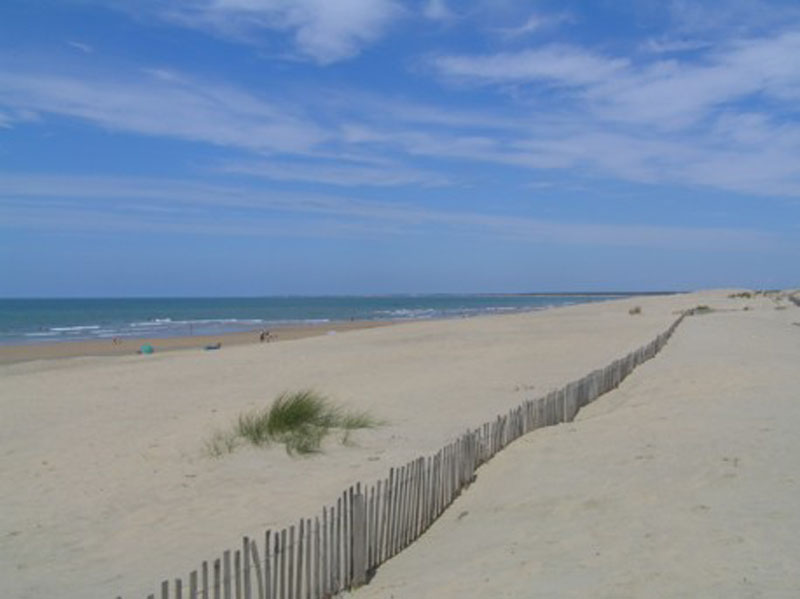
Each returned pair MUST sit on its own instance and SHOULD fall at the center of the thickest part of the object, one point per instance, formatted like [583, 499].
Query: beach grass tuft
[299, 420]
[252, 426]
[635, 310]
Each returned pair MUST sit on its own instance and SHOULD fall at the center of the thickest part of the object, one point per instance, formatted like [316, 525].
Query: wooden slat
[193, 584]
[391, 489]
[226, 574]
[325, 554]
[347, 537]
[165, 589]
[290, 554]
[337, 549]
[386, 527]
[406, 504]
[275, 566]
[282, 573]
[402, 508]
[370, 494]
[317, 594]
[308, 560]
[217, 579]
[331, 537]
[244, 579]
[419, 497]
[359, 518]
[426, 474]
[268, 594]
[400, 495]
[237, 574]
[259, 576]
[301, 533]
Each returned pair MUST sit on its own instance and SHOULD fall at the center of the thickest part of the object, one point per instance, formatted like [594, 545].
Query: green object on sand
[146, 349]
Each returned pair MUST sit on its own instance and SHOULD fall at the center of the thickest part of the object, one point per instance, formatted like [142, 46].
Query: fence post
[359, 540]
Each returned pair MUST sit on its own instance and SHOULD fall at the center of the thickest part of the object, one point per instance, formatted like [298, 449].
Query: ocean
[25, 321]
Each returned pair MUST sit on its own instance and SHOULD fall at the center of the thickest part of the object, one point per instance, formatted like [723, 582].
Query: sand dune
[107, 488]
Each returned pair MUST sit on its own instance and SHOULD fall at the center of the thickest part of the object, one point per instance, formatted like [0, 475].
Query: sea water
[25, 321]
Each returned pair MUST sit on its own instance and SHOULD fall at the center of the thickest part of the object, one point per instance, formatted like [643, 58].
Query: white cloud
[554, 64]
[340, 173]
[437, 10]
[725, 19]
[325, 31]
[664, 93]
[672, 94]
[724, 119]
[83, 47]
[534, 23]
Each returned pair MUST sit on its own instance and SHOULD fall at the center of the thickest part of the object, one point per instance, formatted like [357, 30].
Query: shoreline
[127, 346]
[116, 341]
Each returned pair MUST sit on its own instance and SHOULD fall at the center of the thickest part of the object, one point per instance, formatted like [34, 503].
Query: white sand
[106, 488]
[684, 482]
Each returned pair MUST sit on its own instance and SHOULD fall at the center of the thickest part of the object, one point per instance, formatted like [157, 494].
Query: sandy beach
[108, 487]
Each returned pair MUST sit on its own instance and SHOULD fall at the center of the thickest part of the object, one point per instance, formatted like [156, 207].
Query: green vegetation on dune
[299, 420]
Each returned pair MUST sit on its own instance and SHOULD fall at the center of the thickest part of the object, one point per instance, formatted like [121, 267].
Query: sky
[273, 147]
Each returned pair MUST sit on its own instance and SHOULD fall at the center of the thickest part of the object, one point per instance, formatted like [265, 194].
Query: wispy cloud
[437, 10]
[180, 206]
[535, 22]
[340, 173]
[670, 94]
[697, 121]
[320, 30]
[724, 19]
[659, 92]
[159, 103]
[678, 121]
[81, 46]
[667, 45]
[555, 64]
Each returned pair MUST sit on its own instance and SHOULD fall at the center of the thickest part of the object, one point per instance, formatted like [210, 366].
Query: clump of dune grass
[701, 309]
[300, 421]
[252, 426]
[635, 310]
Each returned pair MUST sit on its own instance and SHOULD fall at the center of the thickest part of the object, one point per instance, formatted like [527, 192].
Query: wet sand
[10, 354]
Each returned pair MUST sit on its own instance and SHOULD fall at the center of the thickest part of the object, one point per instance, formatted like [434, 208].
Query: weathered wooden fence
[339, 548]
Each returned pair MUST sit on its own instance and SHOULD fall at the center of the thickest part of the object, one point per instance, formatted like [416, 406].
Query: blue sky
[257, 147]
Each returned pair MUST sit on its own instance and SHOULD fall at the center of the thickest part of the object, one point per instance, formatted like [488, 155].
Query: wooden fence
[340, 547]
